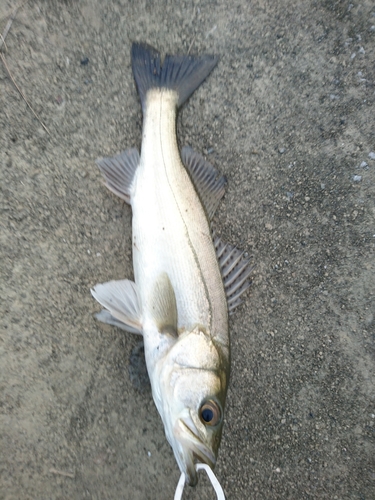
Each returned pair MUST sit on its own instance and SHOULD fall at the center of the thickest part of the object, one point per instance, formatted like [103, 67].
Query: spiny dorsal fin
[208, 182]
[118, 172]
[163, 304]
[120, 298]
[235, 271]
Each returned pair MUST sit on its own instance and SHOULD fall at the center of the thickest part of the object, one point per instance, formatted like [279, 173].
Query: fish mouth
[193, 450]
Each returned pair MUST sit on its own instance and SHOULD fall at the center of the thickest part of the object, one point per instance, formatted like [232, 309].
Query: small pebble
[362, 50]
[360, 77]
[357, 178]
[85, 61]
[281, 150]
[363, 164]
[371, 155]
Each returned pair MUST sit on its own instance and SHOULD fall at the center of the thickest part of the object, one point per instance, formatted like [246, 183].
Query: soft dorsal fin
[118, 172]
[163, 305]
[235, 271]
[208, 182]
[120, 298]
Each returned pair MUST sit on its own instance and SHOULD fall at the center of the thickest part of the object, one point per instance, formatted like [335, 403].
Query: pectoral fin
[163, 305]
[121, 304]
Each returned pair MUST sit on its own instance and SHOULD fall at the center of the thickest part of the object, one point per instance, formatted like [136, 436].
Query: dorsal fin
[235, 271]
[208, 182]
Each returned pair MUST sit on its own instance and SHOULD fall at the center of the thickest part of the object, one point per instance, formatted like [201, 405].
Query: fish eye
[210, 413]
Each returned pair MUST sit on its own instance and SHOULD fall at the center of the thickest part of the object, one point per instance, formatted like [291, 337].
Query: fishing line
[215, 483]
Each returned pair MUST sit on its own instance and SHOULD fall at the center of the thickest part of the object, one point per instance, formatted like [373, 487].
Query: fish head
[191, 392]
[197, 428]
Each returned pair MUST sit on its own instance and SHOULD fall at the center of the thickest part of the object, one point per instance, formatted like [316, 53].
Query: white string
[215, 483]
[180, 487]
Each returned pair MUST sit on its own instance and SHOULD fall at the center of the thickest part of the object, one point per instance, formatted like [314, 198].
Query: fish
[186, 279]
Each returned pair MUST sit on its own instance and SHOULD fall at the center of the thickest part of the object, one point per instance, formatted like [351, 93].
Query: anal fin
[121, 303]
[118, 172]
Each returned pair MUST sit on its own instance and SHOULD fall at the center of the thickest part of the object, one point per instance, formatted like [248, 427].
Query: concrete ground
[288, 116]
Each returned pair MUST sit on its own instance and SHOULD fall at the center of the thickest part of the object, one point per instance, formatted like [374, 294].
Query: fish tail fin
[183, 74]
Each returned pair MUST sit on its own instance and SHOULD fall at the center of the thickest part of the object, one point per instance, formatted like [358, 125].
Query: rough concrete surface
[288, 116]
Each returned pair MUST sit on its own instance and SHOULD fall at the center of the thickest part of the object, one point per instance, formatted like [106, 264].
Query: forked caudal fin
[183, 74]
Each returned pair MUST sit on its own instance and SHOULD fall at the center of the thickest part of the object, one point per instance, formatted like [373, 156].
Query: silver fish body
[179, 301]
[171, 232]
